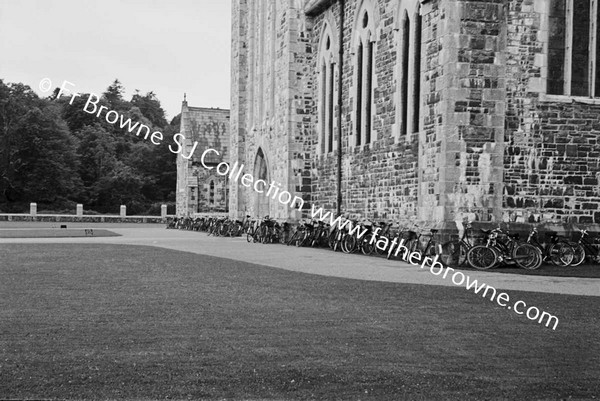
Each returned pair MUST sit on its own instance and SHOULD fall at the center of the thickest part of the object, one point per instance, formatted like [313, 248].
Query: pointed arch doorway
[261, 172]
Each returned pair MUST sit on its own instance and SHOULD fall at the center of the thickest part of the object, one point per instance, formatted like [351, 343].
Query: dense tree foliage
[56, 154]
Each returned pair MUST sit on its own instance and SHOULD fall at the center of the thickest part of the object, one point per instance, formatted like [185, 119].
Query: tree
[150, 107]
[76, 117]
[97, 155]
[53, 152]
[39, 162]
[114, 96]
[14, 100]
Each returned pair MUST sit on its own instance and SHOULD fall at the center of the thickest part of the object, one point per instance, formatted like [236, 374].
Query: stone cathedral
[431, 111]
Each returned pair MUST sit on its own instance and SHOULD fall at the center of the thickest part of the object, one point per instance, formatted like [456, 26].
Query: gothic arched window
[327, 102]
[408, 27]
[364, 49]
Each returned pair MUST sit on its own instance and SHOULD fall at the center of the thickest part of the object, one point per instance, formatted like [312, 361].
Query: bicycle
[349, 242]
[431, 248]
[584, 249]
[375, 233]
[336, 235]
[320, 235]
[267, 231]
[403, 237]
[302, 234]
[412, 243]
[509, 251]
[251, 230]
[454, 253]
[383, 233]
[558, 250]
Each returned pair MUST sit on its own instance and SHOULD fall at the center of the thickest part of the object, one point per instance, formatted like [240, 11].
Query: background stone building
[200, 190]
[432, 111]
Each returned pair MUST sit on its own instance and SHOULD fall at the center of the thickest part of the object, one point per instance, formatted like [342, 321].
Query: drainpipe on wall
[340, 98]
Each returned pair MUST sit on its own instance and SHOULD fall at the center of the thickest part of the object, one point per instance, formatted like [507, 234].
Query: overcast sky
[166, 46]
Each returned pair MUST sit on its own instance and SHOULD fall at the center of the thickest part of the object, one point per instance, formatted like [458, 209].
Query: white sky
[166, 46]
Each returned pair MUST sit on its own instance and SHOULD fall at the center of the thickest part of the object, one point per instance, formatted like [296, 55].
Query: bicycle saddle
[515, 236]
[551, 233]
[434, 230]
[486, 231]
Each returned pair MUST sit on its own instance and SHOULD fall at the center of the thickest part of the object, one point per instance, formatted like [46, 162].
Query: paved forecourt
[313, 261]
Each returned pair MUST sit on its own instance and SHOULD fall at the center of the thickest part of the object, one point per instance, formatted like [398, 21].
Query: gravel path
[315, 261]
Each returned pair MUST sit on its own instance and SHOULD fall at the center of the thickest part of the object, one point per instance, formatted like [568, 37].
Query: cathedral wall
[271, 94]
[492, 143]
[551, 159]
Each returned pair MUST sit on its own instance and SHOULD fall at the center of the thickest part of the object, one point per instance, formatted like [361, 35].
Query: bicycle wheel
[366, 247]
[482, 257]
[315, 239]
[304, 239]
[258, 234]
[382, 251]
[527, 256]
[579, 254]
[294, 238]
[223, 230]
[264, 235]
[283, 236]
[561, 253]
[430, 253]
[390, 251]
[349, 244]
[250, 235]
[454, 253]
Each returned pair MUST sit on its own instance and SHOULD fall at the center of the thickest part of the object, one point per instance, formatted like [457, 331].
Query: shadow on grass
[122, 322]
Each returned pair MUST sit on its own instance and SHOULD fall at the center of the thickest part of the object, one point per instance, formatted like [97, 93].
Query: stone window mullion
[369, 90]
[568, 48]
[594, 89]
[416, 74]
[323, 108]
[326, 105]
[331, 100]
[359, 93]
[404, 89]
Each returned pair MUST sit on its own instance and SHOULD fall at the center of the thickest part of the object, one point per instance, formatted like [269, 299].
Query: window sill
[363, 147]
[568, 99]
[326, 155]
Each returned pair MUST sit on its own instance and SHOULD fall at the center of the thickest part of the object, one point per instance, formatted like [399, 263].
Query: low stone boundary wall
[65, 218]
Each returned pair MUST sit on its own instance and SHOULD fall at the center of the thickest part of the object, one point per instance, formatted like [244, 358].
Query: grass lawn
[129, 322]
[55, 233]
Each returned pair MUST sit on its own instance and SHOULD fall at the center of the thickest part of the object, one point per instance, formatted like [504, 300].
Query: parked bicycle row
[491, 248]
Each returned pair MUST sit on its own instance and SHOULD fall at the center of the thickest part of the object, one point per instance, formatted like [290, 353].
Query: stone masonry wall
[239, 79]
[551, 162]
[493, 146]
[379, 180]
[270, 94]
[210, 128]
[474, 69]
